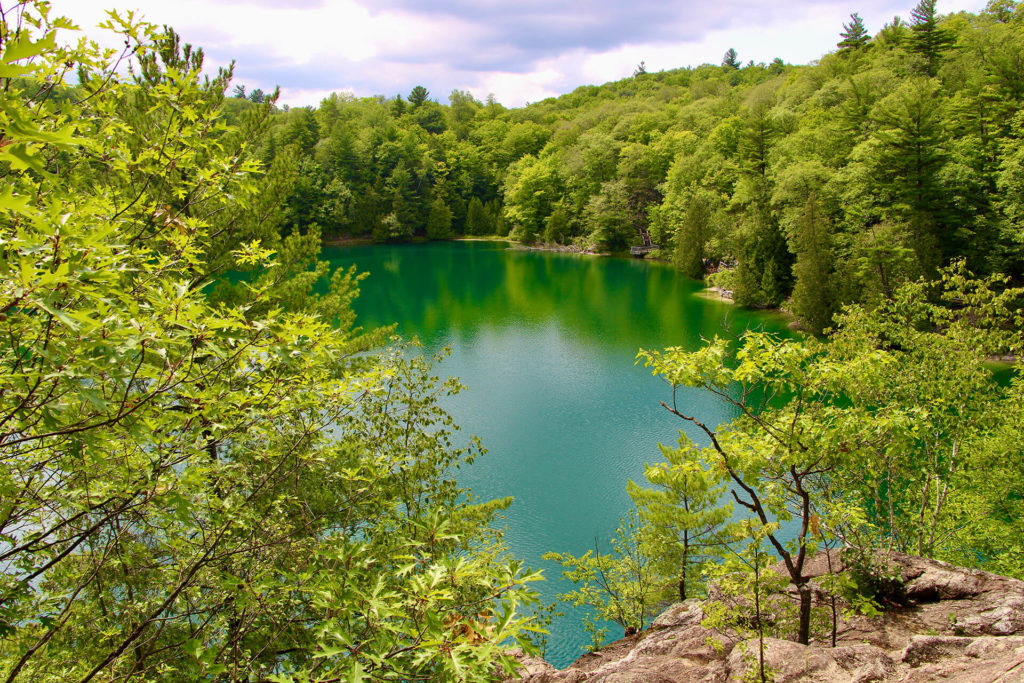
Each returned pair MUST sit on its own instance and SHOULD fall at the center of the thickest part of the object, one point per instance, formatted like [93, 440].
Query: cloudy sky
[519, 50]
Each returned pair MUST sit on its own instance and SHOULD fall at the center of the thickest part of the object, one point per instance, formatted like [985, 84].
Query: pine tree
[927, 39]
[418, 96]
[691, 238]
[731, 60]
[684, 519]
[397, 106]
[477, 220]
[497, 222]
[854, 34]
[813, 293]
[439, 222]
[765, 264]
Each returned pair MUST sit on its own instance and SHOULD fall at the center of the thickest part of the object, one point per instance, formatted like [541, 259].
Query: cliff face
[958, 624]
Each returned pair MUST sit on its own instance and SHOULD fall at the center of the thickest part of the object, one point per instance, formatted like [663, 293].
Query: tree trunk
[682, 576]
[804, 634]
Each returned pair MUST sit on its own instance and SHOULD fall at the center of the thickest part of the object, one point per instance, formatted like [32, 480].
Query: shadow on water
[546, 344]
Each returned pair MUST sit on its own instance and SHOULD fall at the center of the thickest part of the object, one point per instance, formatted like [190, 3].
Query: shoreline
[718, 294]
[711, 292]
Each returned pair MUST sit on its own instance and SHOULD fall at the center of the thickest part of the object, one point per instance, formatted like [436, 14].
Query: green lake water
[545, 343]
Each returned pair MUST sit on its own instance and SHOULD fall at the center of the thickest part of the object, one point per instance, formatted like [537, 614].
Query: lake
[545, 343]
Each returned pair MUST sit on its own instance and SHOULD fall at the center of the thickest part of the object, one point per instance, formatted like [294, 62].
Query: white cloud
[313, 47]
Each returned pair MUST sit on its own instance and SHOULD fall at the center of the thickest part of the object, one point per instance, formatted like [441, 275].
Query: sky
[518, 50]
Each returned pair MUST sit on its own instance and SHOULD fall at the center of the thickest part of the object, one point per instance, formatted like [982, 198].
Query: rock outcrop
[957, 625]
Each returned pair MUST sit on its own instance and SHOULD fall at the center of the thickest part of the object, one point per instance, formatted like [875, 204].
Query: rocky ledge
[956, 625]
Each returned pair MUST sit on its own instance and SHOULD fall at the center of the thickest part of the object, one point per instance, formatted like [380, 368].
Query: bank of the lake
[545, 343]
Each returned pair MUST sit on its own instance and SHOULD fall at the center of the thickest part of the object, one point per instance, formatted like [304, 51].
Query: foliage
[854, 35]
[746, 600]
[207, 480]
[622, 586]
[879, 439]
[682, 516]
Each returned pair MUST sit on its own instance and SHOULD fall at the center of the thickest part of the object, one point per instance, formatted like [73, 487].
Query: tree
[765, 262]
[682, 516]
[770, 457]
[233, 487]
[478, 222]
[640, 70]
[397, 106]
[302, 130]
[927, 39]
[854, 35]
[608, 213]
[556, 226]
[731, 60]
[814, 297]
[622, 586]
[439, 222]
[418, 96]
[430, 117]
[906, 161]
[1002, 10]
[692, 237]
[802, 198]
[462, 109]
[746, 597]
[240, 91]
[920, 402]
[531, 188]
[873, 439]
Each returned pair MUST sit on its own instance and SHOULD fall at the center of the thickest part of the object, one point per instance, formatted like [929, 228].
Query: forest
[210, 471]
[807, 186]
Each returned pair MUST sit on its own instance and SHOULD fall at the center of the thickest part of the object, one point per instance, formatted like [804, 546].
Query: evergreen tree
[685, 524]
[765, 262]
[854, 35]
[907, 162]
[813, 294]
[397, 106]
[731, 60]
[927, 39]
[496, 218]
[439, 222]
[418, 96]
[302, 130]
[556, 227]
[691, 238]
[477, 220]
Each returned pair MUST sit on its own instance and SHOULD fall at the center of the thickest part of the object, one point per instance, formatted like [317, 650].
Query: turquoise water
[545, 344]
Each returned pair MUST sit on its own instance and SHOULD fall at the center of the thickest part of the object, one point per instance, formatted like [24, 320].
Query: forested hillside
[828, 183]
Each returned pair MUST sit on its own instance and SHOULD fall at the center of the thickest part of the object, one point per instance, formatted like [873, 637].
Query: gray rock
[961, 625]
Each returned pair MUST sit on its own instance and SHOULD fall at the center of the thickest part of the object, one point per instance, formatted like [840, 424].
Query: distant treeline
[821, 184]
